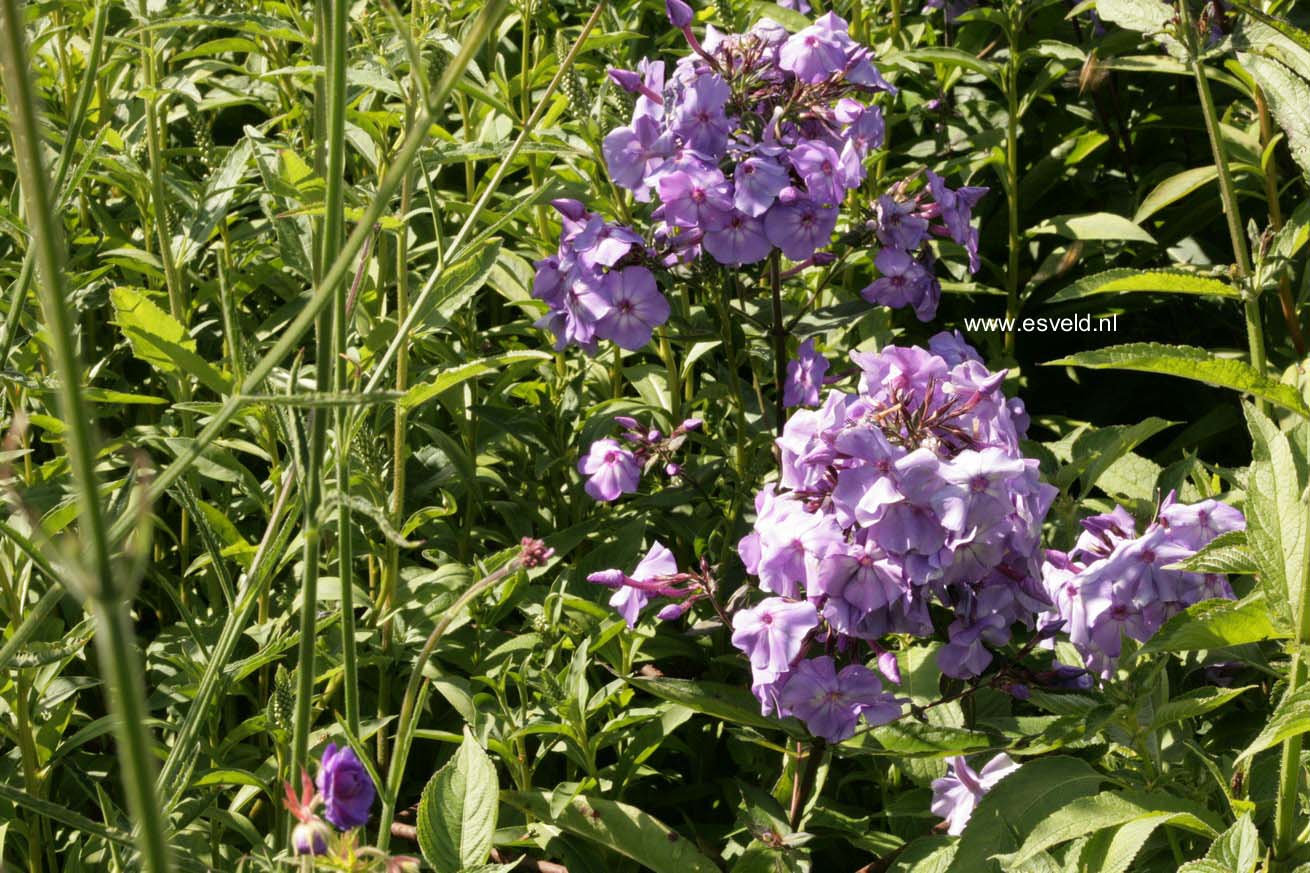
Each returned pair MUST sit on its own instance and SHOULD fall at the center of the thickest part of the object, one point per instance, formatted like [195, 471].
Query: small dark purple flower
[345, 786]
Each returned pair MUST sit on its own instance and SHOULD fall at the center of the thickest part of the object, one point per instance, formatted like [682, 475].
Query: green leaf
[1150, 17]
[1087, 815]
[1288, 96]
[932, 854]
[1215, 624]
[448, 379]
[1174, 189]
[1194, 703]
[1225, 554]
[1275, 516]
[788, 18]
[1237, 850]
[1188, 362]
[909, 738]
[459, 282]
[618, 827]
[1171, 280]
[954, 57]
[219, 190]
[159, 340]
[719, 700]
[1092, 226]
[457, 812]
[1291, 718]
[1017, 805]
[1097, 450]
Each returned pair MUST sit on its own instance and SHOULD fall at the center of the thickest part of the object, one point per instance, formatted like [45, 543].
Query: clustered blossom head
[955, 795]
[656, 575]
[613, 470]
[1114, 582]
[752, 140]
[903, 224]
[599, 285]
[909, 492]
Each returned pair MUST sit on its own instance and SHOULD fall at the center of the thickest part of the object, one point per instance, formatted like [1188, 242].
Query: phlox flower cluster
[598, 285]
[903, 225]
[613, 469]
[909, 492]
[1114, 583]
[752, 140]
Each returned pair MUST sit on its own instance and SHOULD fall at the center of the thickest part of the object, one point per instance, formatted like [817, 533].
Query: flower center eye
[766, 618]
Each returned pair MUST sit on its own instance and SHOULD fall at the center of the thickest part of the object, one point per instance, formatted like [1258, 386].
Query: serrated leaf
[1288, 96]
[1172, 280]
[1095, 451]
[1215, 624]
[158, 339]
[1237, 850]
[1226, 554]
[1275, 515]
[1194, 703]
[1018, 804]
[458, 283]
[1087, 815]
[618, 827]
[1189, 362]
[457, 812]
[1290, 718]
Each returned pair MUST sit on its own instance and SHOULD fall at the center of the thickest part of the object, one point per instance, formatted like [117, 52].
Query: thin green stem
[1241, 257]
[1012, 183]
[333, 231]
[779, 335]
[409, 704]
[107, 594]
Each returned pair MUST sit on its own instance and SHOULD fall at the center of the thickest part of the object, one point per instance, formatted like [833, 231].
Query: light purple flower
[699, 116]
[636, 308]
[805, 375]
[758, 181]
[611, 470]
[741, 240]
[831, 702]
[633, 593]
[904, 282]
[812, 54]
[800, 227]
[956, 795]
[771, 635]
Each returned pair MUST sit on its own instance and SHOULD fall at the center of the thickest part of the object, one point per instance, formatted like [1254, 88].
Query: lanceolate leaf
[1216, 624]
[1289, 99]
[1124, 281]
[1290, 719]
[1227, 553]
[448, 379]
[1276, 517]
[1174, 189]
[1189, 362]
[457, 813]
[1087, 815]
[729, 702]
[618, 827]
[1016, 806]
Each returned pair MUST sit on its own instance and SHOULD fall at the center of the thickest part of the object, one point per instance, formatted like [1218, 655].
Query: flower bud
[311, 837]
[608, 578]
[680, 14]
[691, 425]
[626, 79]
[671, 469]
[569, 208]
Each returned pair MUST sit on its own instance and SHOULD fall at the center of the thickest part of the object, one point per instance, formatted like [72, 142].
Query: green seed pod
[571, 85]
[727, 15]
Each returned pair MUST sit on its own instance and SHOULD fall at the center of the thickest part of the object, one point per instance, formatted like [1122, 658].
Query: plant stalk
[107, 594]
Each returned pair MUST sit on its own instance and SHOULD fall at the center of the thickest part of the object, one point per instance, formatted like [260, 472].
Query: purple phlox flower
[771, 635]
[801, 6]
[889, 666]
[861, 583]
[813, 54]
[741, 240]
[820, 169]
[601, 244]
[955, 795]
[699, 116]
[655, 575]
[611, 470]
[804, 376]
[904, 281]
[633, 153]
[345, 786]
[799, 225]
[757, 183]
[953, 349]
[831, 702]
[695, 199]
[636, 308]
[957, 214]
[899, 226]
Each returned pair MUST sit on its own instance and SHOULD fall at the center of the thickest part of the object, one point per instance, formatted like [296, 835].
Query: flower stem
[779, 334]
[804, 783]
[107, 593]
[1012, 181]
[1242, 259]
[333, 231]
